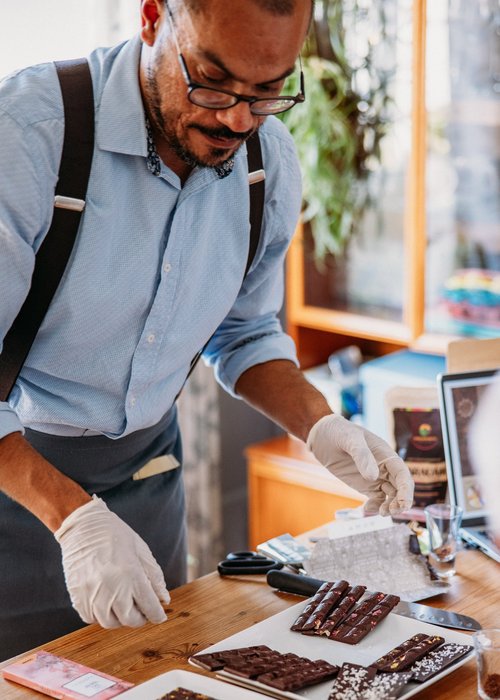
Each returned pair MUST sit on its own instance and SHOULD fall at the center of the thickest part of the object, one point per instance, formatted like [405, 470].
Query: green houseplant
[339, 128]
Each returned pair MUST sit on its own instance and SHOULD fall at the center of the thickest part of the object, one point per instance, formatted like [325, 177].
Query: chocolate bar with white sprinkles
[435, 661]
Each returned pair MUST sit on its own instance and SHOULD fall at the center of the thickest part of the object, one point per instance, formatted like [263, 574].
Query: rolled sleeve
[9, 421]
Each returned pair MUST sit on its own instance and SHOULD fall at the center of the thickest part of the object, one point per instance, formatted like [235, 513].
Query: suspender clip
[69, 203]
[256, 176]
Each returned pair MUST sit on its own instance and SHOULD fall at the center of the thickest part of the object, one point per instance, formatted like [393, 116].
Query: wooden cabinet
[289, 491]
[422, 265]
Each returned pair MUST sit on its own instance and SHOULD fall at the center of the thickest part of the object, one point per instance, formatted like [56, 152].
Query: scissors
[240, 563]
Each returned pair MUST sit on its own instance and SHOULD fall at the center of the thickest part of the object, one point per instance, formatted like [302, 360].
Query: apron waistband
[99, 463]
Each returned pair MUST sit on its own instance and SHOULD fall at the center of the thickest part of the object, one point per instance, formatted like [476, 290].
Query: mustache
[223, 132]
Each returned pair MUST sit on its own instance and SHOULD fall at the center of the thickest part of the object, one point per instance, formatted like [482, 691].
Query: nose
[238, 118]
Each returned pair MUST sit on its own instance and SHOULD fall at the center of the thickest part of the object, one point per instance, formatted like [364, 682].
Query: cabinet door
[462, 290]
[364, 290]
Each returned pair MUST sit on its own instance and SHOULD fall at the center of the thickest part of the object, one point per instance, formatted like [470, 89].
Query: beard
[164, 122]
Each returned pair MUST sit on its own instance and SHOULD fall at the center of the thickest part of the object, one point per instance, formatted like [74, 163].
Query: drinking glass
[487, 646]
[443, 523]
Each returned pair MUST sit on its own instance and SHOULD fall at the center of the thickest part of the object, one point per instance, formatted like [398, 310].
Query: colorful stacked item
[473, 295]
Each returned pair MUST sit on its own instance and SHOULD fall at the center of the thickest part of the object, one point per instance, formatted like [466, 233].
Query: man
[157, 269]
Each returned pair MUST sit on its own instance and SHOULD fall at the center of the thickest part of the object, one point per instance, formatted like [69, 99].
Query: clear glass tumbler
[443, 523]
[487, 646]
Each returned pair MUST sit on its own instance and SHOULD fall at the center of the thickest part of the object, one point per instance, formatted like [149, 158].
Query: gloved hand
[111, 574]
[363, 461]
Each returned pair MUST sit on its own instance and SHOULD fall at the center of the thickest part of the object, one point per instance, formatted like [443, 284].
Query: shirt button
[151, 338]
[167, 267]
[132, 400]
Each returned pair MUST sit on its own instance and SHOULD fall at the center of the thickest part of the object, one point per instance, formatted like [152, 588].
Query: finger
[401, 478]
[373, 504]
[148, 602]
[363, 459]
[154, 574]
[128, 613]
[104, 614]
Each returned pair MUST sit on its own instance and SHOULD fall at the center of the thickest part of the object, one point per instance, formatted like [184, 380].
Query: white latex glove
[484, 452]
[363, 461]
[111, 574]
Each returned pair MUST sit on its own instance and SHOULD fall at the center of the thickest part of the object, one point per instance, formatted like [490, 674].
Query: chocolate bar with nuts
[325, 606]
[411, 655]
[400, 649]
[337, 615]
[311, 605]
[365, 617]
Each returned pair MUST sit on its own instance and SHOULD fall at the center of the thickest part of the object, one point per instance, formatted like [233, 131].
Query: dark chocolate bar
[400, 649]
[297, 676]
[435, 661]
[311, 605]
[286, 671]
[386, 686]
[411, 655]
[218, 659]
[337, 615]
[351, 682]
[328, 603]
[184, 694]
[355, 628]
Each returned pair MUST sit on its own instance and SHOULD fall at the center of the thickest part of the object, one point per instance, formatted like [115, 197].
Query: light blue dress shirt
[156, 269]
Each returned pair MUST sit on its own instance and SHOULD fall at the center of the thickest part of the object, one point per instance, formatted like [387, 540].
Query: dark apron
[34, 604]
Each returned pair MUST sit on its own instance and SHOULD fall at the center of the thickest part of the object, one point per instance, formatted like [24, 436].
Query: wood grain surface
[212, 608]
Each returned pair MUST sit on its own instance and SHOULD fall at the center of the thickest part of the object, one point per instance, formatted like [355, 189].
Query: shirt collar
[122, 124]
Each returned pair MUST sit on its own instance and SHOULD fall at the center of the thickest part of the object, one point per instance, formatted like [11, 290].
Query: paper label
[89, 684]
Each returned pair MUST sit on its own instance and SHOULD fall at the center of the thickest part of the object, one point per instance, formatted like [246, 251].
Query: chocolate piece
[284, 671]
[393, 653]
[337, 615]
[218, 659]
[435, 661]
[311, 605]
[356, 626]
[386, 686]
[408, 657]
[325, 606]
[184, 694]
[301, 675]
[351, 682]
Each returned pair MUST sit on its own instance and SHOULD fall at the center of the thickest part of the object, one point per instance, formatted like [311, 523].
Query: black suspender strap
[256, 180]
[52, 256]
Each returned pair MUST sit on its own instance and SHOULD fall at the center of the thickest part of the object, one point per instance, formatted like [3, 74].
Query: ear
[151, 14]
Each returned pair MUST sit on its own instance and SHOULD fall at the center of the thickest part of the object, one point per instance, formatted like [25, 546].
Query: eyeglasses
[214, 98]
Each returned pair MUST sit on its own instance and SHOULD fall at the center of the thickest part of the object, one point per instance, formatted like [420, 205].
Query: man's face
[233, 46]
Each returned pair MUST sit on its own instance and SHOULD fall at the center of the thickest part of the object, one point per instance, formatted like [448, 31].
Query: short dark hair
[276, 7]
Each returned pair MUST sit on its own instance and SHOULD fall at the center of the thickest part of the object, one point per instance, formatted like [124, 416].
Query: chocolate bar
[286, 671]
[386, 686]
[357, 625]
[325, 606]
[218, 659]
[184, 694]
[411, 655]
[351, 682]
[311, 605]
[435, 661]
[337, 615]
[297, 676]
[397, 651]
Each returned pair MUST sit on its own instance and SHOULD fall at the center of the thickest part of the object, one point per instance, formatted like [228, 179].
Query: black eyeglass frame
[251, 100]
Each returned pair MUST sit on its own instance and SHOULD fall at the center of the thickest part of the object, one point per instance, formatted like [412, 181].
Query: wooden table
[212, 608]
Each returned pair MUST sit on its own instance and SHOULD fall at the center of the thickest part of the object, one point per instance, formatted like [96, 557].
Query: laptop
[459, 395]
